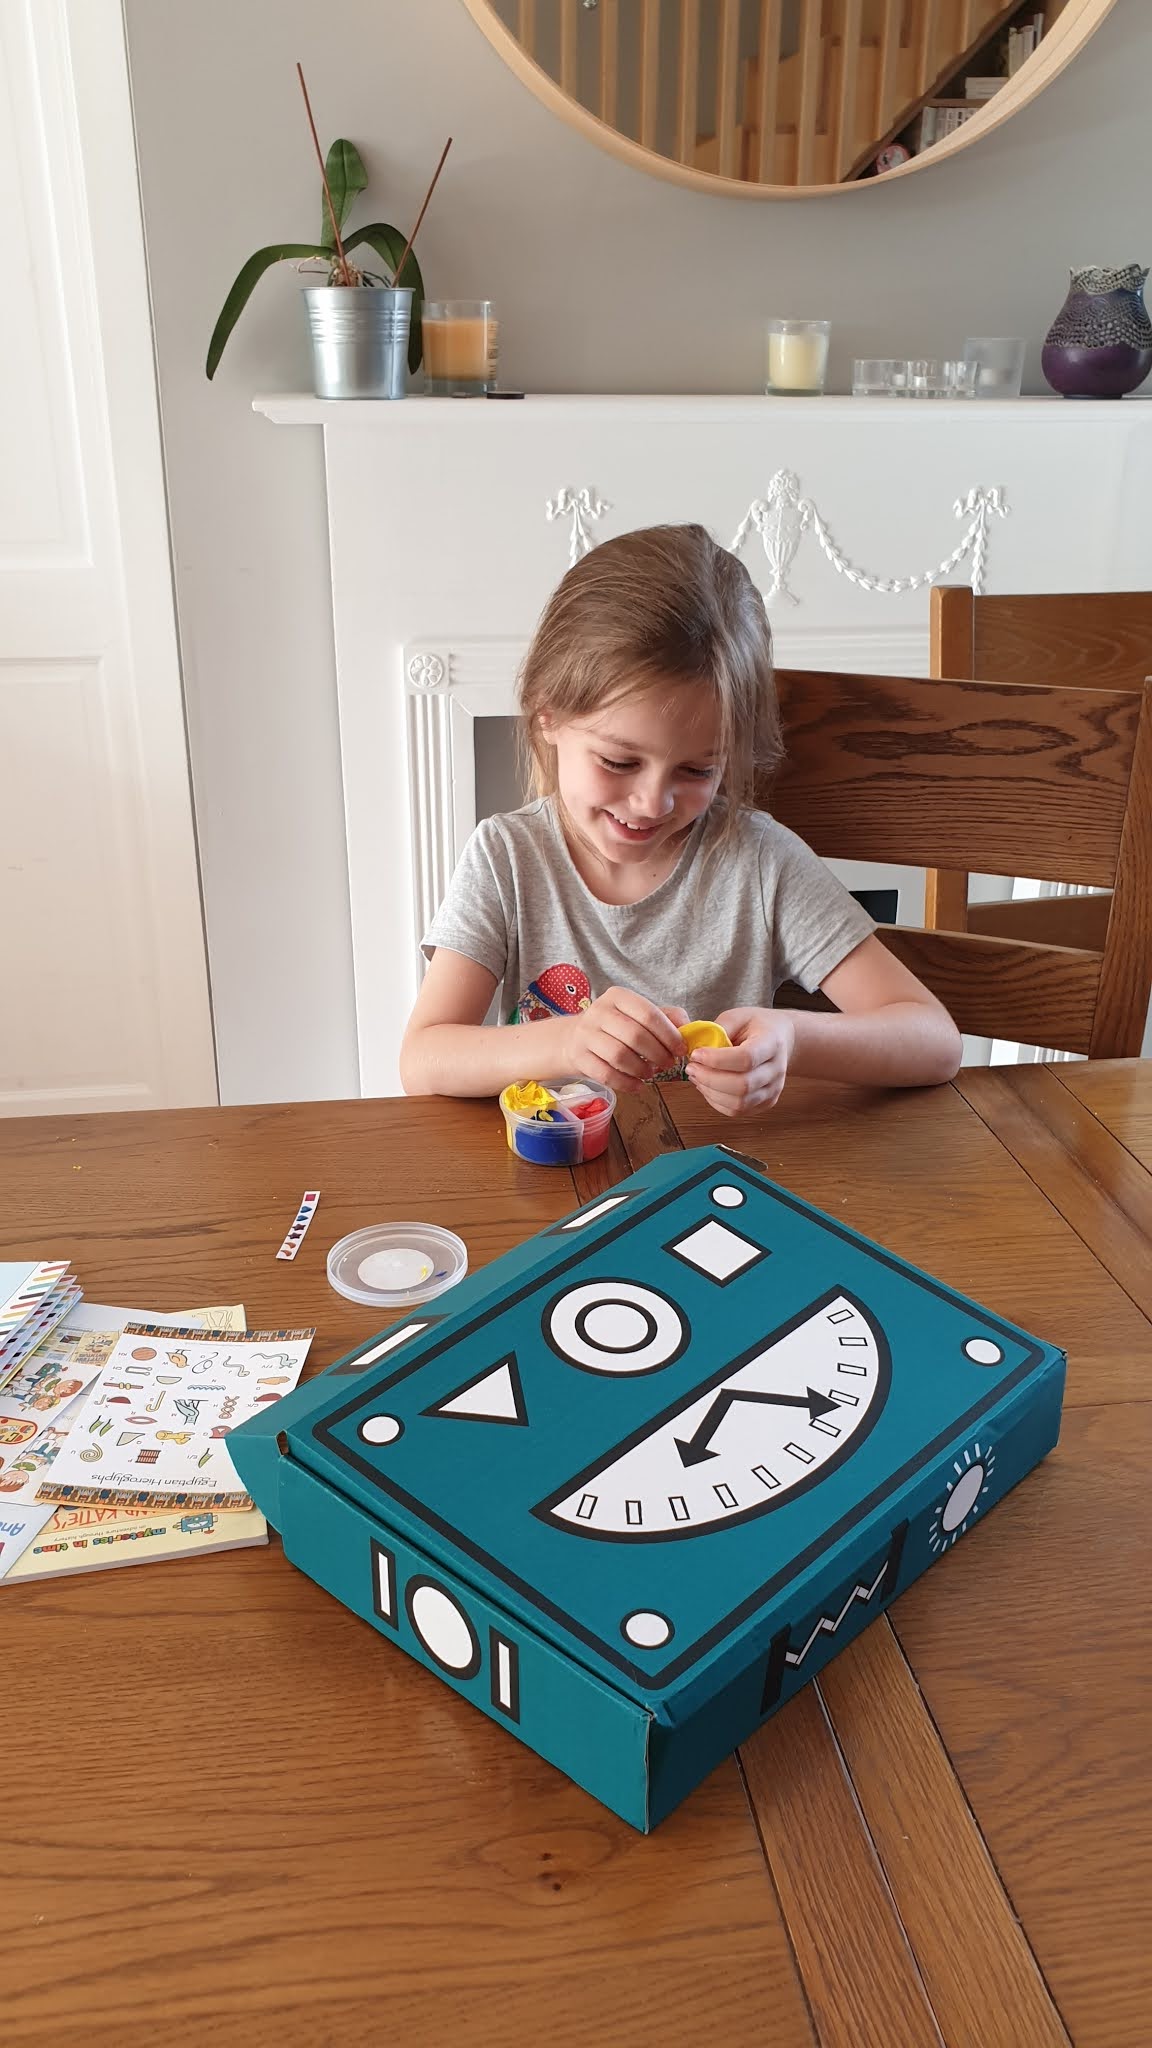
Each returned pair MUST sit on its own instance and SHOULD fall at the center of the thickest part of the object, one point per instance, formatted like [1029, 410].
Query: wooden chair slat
[1018, 779]
[1093, 639]
[1012, 780]
[999, 988]
[1080, 921]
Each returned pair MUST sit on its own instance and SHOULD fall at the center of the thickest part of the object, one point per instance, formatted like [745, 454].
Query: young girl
[642, 887]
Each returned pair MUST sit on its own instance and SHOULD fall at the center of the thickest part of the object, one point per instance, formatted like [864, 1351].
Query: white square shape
[716, 1250]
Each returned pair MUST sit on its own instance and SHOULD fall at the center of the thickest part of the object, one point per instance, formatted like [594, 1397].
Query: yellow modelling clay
[524, 1098]
[698, 1035]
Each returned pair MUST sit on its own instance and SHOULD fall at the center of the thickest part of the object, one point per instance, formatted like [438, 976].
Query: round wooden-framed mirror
[786, 99]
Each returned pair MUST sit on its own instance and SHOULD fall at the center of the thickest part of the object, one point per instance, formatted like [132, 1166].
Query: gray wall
[606, 279]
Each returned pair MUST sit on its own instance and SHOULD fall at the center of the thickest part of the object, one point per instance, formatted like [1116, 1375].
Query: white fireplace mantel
[449, 524]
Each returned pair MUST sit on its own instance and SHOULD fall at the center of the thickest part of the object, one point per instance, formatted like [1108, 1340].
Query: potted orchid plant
[365, 321]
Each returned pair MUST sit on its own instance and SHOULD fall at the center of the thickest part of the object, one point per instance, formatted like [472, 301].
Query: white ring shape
[982, 1351]
[623, 1328]
[728, 1198]
[443, 1627]
[647, 1631]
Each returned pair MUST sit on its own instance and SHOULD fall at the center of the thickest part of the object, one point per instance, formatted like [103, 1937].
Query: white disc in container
[395, 1265]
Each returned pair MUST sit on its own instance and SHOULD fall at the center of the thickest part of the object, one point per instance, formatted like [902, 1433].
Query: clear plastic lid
[394, 1265]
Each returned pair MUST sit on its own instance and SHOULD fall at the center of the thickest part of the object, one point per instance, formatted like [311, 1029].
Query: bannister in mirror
[785, 98]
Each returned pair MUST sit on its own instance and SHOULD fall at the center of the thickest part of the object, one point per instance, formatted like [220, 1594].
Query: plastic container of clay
[558, 1135]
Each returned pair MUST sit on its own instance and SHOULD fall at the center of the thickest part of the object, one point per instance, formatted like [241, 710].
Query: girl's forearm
[481, 1059]
[901, 1045]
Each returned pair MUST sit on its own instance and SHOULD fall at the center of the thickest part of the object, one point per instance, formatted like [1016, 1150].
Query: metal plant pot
[359, 340]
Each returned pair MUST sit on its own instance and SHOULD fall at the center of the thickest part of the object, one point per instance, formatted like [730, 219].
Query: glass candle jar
[797, 358]
[460, 341]
[875, 376]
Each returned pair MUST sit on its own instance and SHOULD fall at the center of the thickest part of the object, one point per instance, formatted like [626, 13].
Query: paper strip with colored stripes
[304, 1215]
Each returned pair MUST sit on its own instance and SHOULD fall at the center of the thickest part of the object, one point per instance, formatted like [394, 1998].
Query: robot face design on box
[661, 1421]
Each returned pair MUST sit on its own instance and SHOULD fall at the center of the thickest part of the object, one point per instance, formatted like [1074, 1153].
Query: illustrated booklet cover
[631, 1486]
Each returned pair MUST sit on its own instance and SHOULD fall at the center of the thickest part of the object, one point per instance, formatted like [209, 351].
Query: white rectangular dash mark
[385, 1588]
[725, 1496]
[798, 1451]
[843, 1398]
[590, 1215]
[679, 1507]
[504, 1695]
[765, 1477]
[852, 1365]
[860, 1343]
[825, 1428]
[390, 1342]
[633, 1513]
[841, 1315]
[587, 1507]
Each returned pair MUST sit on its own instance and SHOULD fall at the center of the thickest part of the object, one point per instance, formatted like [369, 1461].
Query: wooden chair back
[1094, 639]
[1006, 778]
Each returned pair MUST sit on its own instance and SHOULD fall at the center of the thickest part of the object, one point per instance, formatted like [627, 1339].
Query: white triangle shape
[491, 1399]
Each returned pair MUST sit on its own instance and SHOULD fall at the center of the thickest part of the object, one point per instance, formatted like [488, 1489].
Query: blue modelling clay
[548, 1140]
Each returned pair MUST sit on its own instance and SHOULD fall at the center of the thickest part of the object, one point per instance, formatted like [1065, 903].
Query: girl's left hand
[750, 1073]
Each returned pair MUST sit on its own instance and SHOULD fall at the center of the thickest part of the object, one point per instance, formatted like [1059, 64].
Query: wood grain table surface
[233, 1814]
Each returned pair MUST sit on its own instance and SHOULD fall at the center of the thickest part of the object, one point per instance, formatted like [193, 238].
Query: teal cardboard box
[631, 1486]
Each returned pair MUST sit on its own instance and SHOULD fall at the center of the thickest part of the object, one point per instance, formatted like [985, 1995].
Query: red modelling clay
[596, 1107]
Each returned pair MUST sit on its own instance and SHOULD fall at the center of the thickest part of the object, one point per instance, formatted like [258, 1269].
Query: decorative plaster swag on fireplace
[450, 523]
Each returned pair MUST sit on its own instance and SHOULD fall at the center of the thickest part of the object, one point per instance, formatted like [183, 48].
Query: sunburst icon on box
[961, 1505]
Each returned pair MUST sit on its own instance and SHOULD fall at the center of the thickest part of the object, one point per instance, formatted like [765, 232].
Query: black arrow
[694, 1449]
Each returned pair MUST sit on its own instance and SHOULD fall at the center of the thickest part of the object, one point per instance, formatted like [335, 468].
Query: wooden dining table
[232, 1813]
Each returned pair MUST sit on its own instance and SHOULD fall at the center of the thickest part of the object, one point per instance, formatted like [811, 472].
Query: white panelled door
[103, 982]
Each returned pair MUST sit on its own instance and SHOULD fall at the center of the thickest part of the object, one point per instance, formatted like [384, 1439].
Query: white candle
[796, 362]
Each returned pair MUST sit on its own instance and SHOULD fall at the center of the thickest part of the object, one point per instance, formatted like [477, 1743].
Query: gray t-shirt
[723, 930]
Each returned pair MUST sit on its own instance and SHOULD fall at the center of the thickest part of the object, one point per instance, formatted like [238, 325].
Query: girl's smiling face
[635, 776]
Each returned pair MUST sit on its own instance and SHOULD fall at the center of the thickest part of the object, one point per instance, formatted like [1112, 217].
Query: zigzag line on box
[863, 1593]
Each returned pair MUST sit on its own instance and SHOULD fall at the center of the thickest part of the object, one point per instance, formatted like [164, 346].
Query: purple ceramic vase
[1100, 345]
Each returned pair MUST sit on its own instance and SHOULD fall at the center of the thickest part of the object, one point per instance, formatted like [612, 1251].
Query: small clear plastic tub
[394, 1265]
[567, 1131]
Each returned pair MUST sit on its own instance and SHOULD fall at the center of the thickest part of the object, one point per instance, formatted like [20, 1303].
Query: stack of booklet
[34, 1297]
[113, 1433]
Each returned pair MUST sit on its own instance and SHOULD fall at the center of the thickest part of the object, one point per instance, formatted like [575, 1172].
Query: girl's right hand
[622, 1039]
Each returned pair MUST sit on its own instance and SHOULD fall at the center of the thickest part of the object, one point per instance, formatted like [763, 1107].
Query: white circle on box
[962, 1498]
[648, 1631]
[728, 1198]
[381, 1429]
[982, 1351]
[617, 1326]
[443, 1628]
[614, 1326]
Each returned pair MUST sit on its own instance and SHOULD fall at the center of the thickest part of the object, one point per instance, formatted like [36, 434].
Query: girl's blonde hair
[665, 605]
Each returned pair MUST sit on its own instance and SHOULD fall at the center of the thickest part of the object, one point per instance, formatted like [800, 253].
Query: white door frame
[98, 876]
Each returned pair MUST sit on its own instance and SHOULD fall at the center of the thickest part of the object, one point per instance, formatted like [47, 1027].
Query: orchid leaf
[249, 276]
[390, 244]
[344, 170]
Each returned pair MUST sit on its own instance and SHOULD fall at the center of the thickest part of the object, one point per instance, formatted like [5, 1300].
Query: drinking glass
[961, 378]
[999, 361]
[873, 376]
[926, 378]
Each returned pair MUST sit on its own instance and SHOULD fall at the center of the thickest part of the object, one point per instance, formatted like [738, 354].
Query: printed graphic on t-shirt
[559, 992]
